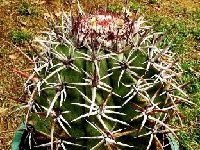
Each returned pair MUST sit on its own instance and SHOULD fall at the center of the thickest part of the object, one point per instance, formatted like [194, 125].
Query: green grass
[175, 30]
[191, 75]
[190, 134]
[196, 15]
[27, 9]
[20, 36]
[190, 137]
[134, 6]
[196, 34]
[189, 141]
[114, 8]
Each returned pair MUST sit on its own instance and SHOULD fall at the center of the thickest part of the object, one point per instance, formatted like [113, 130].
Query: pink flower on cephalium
[112, 32]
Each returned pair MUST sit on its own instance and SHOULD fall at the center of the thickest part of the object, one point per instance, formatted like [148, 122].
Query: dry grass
[11, 85]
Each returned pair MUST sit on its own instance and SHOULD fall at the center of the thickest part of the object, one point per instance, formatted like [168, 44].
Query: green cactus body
[104, 82]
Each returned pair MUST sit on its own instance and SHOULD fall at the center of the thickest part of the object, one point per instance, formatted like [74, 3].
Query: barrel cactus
[102, 81]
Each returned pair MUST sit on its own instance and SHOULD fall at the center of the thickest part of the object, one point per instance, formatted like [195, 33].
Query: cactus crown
[103, 81]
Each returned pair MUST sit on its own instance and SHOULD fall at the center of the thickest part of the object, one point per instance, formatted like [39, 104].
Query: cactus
[102, 81]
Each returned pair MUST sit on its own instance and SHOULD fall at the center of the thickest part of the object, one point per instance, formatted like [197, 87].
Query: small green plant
[20, 36]
[114, 8]
[27, 9]
[196, 15]
[134, 6]
[196, 34]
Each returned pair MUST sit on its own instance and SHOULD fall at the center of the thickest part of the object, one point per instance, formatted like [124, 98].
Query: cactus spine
[103, 81]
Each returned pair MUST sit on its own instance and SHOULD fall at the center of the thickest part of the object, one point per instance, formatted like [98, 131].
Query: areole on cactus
[102, 81]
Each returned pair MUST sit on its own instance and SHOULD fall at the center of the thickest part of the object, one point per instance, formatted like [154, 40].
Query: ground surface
[21, 21]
